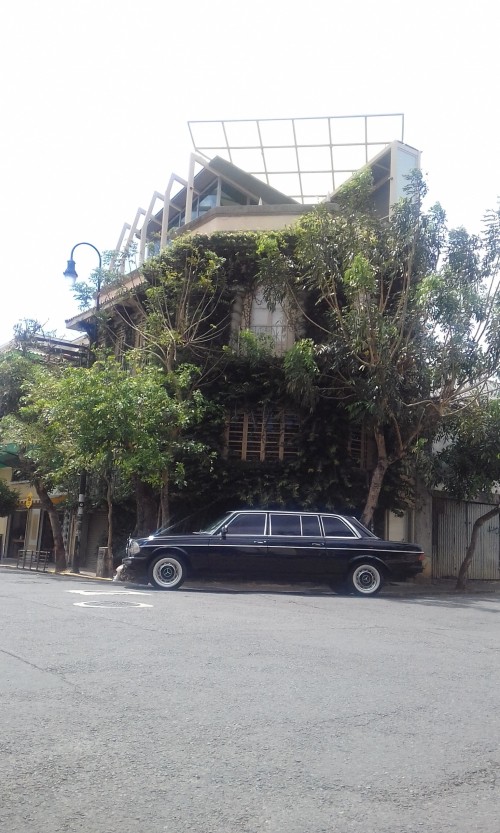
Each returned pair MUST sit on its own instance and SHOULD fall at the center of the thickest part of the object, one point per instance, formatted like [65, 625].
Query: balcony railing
[277, 338]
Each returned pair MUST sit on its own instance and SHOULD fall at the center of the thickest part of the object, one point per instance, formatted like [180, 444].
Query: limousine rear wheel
[365, 579]
[167, 572]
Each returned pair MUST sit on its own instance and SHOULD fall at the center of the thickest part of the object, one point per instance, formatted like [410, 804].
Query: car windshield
[163, 530]
[172, 527]
[210, 529]
[181, 526]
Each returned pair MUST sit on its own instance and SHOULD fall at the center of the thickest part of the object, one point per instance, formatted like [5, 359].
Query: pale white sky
[96, 95]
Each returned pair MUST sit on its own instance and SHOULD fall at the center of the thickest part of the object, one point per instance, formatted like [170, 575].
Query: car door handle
[259, 542]
[316, 544]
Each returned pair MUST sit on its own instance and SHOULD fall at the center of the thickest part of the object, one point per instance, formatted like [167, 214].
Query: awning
[8, 456]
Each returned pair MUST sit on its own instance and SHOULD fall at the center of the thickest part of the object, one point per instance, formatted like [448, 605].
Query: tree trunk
[377, 479]
[108, 569]
[82, 488]
[165, 501]
[146, 508]
[464, 567]
[55, 525]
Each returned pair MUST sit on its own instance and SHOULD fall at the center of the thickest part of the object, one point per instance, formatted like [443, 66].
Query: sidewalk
[11, 564]
[440, 587]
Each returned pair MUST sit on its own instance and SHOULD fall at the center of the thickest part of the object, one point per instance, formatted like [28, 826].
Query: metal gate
[97, 524]
[452, 523]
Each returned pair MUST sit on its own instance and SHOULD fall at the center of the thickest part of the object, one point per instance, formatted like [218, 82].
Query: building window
[362, 449]
[177, 220]
[218, 192]
[205, 201]
[18, 476]
[120, 340]
[273, 328]
[127, 335]
[271, 324]
[232, 196]
[262, 435]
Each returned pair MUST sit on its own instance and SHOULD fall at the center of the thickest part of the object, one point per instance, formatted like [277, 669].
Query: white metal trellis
[315, 154]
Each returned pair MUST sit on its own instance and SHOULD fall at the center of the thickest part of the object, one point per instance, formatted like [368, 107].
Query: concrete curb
[53, 574]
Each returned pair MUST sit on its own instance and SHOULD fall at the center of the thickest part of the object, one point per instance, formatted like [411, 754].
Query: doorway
[17, 532]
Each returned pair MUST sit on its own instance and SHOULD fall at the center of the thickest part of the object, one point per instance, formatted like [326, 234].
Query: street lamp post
[71, 275]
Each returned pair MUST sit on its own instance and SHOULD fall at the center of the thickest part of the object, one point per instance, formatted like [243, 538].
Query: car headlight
[133, 548]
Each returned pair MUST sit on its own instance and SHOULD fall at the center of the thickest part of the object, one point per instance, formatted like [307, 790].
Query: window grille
[120, 342]
[362, 448]
[262, 435]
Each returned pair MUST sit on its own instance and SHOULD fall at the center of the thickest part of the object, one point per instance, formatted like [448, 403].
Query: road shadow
[392, 593]
[459, 599]
[245, 590]
[395, 592]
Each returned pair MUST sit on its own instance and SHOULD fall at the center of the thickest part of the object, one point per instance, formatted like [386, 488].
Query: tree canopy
[114, 423]
[405, 315]
[8, 499]
[38, 448]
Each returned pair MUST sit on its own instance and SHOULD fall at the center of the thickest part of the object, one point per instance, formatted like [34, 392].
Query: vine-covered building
[259, 176]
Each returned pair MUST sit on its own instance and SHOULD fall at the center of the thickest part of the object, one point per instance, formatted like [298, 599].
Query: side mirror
[223, 533]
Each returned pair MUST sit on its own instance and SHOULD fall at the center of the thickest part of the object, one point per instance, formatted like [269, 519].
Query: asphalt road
[213, 711]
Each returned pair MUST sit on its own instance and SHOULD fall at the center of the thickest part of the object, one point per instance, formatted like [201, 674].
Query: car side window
[285, 525]
[310, 525]
[247, 524]
[336, 528]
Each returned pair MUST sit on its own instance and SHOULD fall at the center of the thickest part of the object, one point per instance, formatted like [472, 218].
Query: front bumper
[136, 564]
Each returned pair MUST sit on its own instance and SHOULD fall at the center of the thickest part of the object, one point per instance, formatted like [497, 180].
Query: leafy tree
[179, 310]
[404, 315]
[8, 499]
[116, 425]
[104, 279]
[15, 370]
[468, 465]
[38, 451]
[180, 305]
[185, 285]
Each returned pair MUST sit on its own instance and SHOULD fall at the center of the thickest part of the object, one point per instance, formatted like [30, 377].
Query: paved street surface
[219, 711]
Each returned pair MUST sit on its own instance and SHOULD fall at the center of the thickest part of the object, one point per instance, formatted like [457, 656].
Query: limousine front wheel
[365, 579]
[167, 572]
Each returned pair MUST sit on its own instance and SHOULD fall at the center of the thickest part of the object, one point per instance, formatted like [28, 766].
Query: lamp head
[71, 274]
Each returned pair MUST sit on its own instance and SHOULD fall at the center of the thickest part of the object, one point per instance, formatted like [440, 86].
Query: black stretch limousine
[276, 546]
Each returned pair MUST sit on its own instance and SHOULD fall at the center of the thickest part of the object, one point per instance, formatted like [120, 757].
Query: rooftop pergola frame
[299, 161]
[314, 155]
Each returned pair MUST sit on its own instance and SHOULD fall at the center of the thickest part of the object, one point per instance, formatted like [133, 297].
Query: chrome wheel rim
[167, 572]
[366, 579]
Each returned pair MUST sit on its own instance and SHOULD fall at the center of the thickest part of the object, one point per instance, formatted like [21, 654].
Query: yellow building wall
[27, 497]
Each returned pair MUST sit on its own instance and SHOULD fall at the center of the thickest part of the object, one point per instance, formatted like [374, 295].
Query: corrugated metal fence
[452, 523]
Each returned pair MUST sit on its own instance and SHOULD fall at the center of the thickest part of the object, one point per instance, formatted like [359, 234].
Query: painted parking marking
[110, 604]
[109, 592]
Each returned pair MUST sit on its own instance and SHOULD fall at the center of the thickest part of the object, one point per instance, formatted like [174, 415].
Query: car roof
[289, 512]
